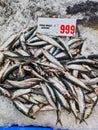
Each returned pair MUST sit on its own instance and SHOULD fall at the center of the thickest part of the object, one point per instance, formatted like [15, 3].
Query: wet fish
[7, 44]
[49, 40]
[52, 59]
[20, 92]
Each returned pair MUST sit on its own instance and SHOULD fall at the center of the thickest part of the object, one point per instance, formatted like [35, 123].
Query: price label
[57, 26]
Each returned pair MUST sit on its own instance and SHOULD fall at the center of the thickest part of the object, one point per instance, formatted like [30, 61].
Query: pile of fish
[46, 73]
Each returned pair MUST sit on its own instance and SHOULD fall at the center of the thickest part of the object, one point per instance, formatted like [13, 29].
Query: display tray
[25, 128]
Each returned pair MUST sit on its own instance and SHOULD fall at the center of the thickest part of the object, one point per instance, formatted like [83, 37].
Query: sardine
[49, 40]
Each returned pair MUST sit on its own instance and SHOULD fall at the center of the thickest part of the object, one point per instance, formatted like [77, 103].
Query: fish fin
[77, 119]
[58, 118]
[83, 120]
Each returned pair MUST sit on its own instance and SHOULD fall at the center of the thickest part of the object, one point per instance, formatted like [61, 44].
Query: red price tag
[67, 29]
